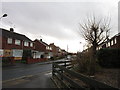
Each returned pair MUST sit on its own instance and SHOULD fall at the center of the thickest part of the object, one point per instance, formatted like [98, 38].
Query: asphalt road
[28, 76]
[24, 70]
[20, 70]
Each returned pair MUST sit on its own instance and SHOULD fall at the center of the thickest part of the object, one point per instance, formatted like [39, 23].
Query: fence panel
[89, 81]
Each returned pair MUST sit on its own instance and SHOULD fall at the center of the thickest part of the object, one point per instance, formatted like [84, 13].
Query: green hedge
[109, 57]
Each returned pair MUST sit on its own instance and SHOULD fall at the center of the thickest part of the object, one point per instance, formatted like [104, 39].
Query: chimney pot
[40, 39]
[11, 30]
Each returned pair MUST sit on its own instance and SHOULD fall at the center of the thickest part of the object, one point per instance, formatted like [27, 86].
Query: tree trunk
[93, 60]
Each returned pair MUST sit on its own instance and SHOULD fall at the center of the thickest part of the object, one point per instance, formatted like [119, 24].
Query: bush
[85, 63]
[109, 57]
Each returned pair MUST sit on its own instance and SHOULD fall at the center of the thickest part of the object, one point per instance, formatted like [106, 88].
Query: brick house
[114, 42]
[13, 44]
[57, 51]
[54, 49]
[42, 49]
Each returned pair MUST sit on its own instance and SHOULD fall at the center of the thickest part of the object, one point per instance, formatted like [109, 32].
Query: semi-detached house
[13, 44]
[114, 42]
[42, 49]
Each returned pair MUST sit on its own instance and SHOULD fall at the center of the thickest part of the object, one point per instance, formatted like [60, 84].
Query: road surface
[27, 76]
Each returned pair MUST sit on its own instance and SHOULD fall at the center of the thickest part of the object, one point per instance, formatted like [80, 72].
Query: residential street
[28, 76]
[60, 45]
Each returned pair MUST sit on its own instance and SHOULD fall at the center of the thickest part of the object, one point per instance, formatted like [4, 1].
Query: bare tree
[95, 32]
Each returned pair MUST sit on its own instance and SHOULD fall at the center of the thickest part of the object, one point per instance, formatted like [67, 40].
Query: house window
[115, 40]
[17, 42]
[31, 44]
[26, 43]
[50, 48]
[112, 42]
[9, 40]
[59, 50]
[108, 44]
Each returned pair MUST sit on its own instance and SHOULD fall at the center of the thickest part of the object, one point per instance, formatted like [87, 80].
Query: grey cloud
[51, 18]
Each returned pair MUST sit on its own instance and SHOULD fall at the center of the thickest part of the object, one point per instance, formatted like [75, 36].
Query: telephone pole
[67, 51]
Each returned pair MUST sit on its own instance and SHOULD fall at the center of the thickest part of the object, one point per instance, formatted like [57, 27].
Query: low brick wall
[30, 60]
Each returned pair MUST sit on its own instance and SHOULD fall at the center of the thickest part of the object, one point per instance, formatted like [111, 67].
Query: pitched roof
[14, 35]
[42, 42]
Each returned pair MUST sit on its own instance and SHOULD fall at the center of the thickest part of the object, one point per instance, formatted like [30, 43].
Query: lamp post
[4, 15]
[82, 45]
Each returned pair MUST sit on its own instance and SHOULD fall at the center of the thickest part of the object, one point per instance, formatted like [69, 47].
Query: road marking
[26, 76]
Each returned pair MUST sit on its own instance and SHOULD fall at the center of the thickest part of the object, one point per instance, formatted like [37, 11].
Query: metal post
[67, 51]
[52, 69]
[65, 64]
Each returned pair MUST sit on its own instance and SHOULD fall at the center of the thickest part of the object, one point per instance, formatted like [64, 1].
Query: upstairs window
[9, 40]
[115, 40]
[108, 44]
[26, 43]
[17, 42]
[50, 48]
[47, 48]
[112, 42]
[31, 44]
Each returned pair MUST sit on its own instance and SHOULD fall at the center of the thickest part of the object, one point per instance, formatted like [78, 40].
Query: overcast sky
[56, 22]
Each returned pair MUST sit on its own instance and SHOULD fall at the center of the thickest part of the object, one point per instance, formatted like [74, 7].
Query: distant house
[14, 43]
[63, 52]
[114, 42]
[55, 49]
[42, 49]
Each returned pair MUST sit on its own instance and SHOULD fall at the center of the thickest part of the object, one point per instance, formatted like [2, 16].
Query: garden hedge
[109, 57]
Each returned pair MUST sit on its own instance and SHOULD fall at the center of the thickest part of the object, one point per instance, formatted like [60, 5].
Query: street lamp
[82, 45]
[4, 15]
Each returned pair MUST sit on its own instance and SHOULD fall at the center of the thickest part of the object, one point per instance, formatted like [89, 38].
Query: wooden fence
[66, 78]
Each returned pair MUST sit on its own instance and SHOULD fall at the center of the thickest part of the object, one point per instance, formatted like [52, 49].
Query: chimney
[41, 40]
[11, 30]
